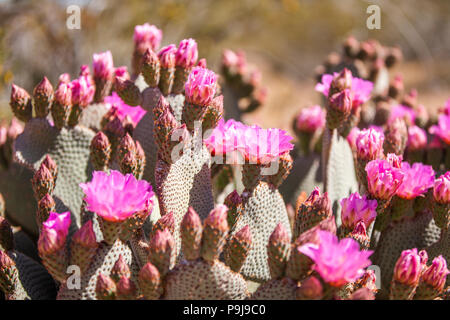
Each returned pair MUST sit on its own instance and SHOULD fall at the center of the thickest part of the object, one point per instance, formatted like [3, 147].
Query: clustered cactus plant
[112, 174]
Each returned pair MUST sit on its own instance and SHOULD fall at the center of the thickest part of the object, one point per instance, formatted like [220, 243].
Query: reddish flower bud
[167, 56]
[85, 236]
[408, 268]
[187, 54]
[51, 166]
[43, 96]
[21, 103]
[105, 288]
[42, 182]
[436, 274]
[120, 269]
[310, 289]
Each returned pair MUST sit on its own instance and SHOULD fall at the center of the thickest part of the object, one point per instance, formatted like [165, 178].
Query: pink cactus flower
[262, 146]
[337, 262]
[356, 208]
[417, 138]
[441, 191]
[225, 138]
[147, 35]
[115, 197]
[383, 179]
[351, 138]
[64, 78]
[202, 63]
[369, 144]
[417, 179]
[360, 89]
[63, 94]
[187, 54]
[85, 71]
[394, 160]
[402, 112]
[103, 65]
[436, 274]
[200, 86]
[311, 119]
[83, 91]
[122, 72]
[123, 110]
[54, 232]
[408, 268]
[442, 129]
[167, 56]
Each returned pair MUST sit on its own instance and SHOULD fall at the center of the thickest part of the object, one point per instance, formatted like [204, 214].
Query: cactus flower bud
[120, 269]
[122, 72]
[215, 231]
[200, 86]
[151, 68]
[408, 267]
[310, 289]
[21, 103]
[315, 209]
[436, 274]
[42, 182]
[126, 289]
[51, 166]
[9, 275]
[167, 56]
[103, 65]
[128, 91]
[100, 151]
[368, 280]
[233, 201]
[148, 36]
[357, 208]
[6, 235]
[54, 232]
[167, 221]
[85, 236]
[238, 249]
[62, 105]
[369, 144]
[161, 250]
[278, 251]
[341, 82]
[43, 96]
[359, 234]
[82, 91]
[441, 191]
[105, 288]
[150, 282]
[45, 206]
[338, 108]
[191, 234]
[187, 54]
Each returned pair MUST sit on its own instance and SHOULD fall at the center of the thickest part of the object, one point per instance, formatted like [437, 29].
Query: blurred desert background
[285, 39]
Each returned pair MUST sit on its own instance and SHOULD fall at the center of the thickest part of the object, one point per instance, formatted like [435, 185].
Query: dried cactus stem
[166, 80]
[56, 263]
[60, 114]
[75, 115]
[181, 75]
[400, 291]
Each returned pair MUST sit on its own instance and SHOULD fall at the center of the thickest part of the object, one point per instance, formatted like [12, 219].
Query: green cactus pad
[340, 177]
[263, 209]
[201, 280]
[69, 148]
[277, 289]
[103, 261]
[35, 282]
